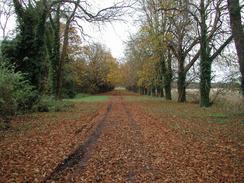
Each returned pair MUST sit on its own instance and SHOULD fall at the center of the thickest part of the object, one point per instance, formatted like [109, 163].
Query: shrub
[49, 104]
[16, 94]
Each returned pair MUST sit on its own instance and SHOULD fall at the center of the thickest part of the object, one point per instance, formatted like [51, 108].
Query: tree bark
[168, 77]
[238, 34]
[162, 92]
[205, 62]
[55, 54]
[61, 62]
[153, 91]
[166, 71]
[181, 83]
[145, 91]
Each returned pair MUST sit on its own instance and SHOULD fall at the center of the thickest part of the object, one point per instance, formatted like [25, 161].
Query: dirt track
[121, 143]
[128, 145]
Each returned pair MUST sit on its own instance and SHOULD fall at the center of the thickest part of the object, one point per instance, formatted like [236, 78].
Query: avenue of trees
[181, 41]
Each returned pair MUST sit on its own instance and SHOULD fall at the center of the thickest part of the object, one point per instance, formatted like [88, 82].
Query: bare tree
[211, 28]
[184, 41]
[197, 25]
[6, 11]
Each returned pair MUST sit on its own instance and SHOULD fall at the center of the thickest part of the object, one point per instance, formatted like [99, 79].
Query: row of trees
[179, 38]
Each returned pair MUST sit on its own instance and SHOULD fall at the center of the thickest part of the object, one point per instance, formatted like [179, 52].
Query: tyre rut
[81, 153]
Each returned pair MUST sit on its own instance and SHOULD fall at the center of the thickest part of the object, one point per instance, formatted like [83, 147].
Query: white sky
[112, 35]
[116, 33]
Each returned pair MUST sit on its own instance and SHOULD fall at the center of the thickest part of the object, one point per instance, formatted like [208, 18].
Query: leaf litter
[131, 145]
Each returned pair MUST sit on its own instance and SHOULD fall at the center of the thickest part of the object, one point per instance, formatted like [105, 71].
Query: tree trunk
[145, 91]
[168, 78]
[168, 92]
[162, 92]
[181, 87]
[158, 91]
[148, 91]
[166, 71]
[141, 90]
[205, 81]
[64, 53]
[61, 62]
[238, 34]
[205, 62]
[40, 44]
[181, 83]
[55, 57]
[153, 91]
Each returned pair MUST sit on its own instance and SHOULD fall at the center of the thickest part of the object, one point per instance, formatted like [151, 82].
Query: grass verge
[211, 124]
[88, 98]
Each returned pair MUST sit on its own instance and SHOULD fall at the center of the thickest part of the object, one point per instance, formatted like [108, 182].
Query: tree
[63, 55]
[99, 69]
[79, 10]
[209, 31]
[158, 28]
[204, 17]
[183, 43]
[6, 12]
[238, 34]
[27, 50]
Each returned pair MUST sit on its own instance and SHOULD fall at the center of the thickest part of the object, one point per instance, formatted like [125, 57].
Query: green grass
[220, 121]
[49, 104]
[88, 98]
[190, 120]
[142, 98]
[189, 109]
[189, 113]
[218, 118]
[218, 115]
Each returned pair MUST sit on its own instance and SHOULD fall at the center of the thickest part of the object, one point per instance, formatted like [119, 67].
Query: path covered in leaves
[122, 143]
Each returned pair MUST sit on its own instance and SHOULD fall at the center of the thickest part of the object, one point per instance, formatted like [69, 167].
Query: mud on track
[81, 154]
[113, 152]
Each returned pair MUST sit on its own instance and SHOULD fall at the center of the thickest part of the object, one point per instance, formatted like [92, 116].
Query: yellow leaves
[95, 67]
[153, 39]
[114, 75]
[165, 4]
[78, 69]
[147, 74]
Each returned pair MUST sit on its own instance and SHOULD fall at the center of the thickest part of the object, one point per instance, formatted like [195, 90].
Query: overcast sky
[112, 35]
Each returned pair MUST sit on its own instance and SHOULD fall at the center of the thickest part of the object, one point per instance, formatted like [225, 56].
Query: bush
[49, 104]
[16, 94]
